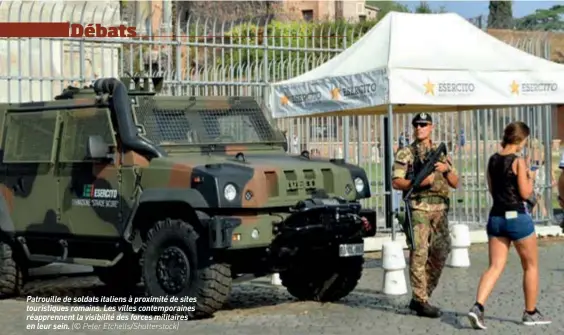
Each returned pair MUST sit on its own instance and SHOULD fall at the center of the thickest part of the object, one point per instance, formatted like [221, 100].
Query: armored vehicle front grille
[291, 177]
[308, 180]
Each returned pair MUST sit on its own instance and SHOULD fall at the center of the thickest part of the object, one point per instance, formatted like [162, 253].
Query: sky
[472, 9]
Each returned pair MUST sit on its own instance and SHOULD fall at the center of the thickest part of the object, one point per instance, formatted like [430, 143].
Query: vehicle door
[28, 164]
[89, 189]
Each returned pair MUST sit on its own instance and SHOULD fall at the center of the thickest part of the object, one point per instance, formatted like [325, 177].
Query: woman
[510, 183]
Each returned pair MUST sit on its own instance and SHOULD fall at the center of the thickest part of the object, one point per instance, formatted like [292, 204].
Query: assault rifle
[427, 167]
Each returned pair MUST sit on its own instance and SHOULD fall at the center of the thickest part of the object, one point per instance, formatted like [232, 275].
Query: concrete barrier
[372, 244]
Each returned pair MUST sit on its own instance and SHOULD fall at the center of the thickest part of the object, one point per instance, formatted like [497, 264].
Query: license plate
[350, 250]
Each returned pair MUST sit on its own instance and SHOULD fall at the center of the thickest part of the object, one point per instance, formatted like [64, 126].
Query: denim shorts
[514, 229]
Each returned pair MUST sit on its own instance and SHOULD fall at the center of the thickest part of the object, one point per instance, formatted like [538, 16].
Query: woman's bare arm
[489, 183]
[524, 181]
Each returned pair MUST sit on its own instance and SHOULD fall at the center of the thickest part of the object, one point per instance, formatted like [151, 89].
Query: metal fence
[227, 58]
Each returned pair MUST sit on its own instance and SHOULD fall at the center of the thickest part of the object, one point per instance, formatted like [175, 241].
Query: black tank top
[505, 191]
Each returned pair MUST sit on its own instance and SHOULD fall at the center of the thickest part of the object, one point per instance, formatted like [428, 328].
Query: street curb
[372, 244]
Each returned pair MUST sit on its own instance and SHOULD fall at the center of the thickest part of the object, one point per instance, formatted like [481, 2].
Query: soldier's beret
[422, 118]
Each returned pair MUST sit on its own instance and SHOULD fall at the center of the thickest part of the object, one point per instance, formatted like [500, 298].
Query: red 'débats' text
[97, 30]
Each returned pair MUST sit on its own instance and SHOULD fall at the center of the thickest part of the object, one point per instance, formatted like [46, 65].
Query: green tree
[388, 6]
[442, 9]
[423, 8]
[543, 19]
[391, 6]
[501, 15]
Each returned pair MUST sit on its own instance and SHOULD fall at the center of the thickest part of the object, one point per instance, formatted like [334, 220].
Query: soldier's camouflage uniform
[430, 224]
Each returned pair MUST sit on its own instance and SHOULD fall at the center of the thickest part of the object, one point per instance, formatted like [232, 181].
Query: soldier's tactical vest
[439, 189]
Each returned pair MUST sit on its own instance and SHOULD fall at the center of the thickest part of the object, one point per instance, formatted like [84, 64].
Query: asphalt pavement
[259, 308]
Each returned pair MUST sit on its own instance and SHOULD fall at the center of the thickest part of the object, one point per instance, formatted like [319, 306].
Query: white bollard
[393, 263]
[460, 239]
[275, 279]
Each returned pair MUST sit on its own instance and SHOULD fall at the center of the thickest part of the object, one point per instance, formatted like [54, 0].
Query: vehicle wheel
[125, 275]
[11, 273]
[324, 281]
[174, 263]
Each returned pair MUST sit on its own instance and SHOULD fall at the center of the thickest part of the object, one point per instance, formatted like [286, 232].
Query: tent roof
[427, 42]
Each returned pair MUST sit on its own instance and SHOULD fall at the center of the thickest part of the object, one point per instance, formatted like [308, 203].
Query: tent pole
[346, 138]
[388, 162]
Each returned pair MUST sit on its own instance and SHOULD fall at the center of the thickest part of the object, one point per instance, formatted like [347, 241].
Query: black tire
[323, 281]
[208, 282]
[11, 273]
[125, 275]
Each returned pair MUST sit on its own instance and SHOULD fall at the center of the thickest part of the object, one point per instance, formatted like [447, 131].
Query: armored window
[227, 126]
[205, 121]
[80, 124]
[173, 126]
[30, 137]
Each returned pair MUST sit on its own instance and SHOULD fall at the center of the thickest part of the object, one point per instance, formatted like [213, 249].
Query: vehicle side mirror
[97, 148]
[140, 129]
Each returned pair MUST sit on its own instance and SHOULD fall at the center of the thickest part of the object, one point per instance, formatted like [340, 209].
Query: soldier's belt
[432, 200]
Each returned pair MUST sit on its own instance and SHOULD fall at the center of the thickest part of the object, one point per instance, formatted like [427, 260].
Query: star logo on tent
[514, 87]
[336, 94]
[284, 100]
[429, 87]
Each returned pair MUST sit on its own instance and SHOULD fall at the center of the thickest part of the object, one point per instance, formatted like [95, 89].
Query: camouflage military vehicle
[181, 194]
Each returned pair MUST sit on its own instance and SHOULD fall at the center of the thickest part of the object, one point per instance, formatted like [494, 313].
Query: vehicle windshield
[205, 126]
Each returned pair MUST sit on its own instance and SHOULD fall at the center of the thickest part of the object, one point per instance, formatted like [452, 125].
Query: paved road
[476, 219]
[258, 308]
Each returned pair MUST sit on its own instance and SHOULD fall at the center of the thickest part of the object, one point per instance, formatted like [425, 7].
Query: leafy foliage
[501, 15]
[392, 6]
[388, 6]
[300, 37]
[332, 36]
[543, 20]
[423, 8]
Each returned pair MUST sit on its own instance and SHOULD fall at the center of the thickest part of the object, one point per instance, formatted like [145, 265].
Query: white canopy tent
[420, 62]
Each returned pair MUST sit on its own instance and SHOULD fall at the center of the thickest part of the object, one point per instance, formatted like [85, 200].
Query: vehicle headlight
[229, 192]
[359, 184]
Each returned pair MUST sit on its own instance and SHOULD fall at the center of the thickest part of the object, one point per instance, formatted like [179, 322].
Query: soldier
[430, 205]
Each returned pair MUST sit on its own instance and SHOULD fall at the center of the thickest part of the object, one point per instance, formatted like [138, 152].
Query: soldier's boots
[424, 309]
